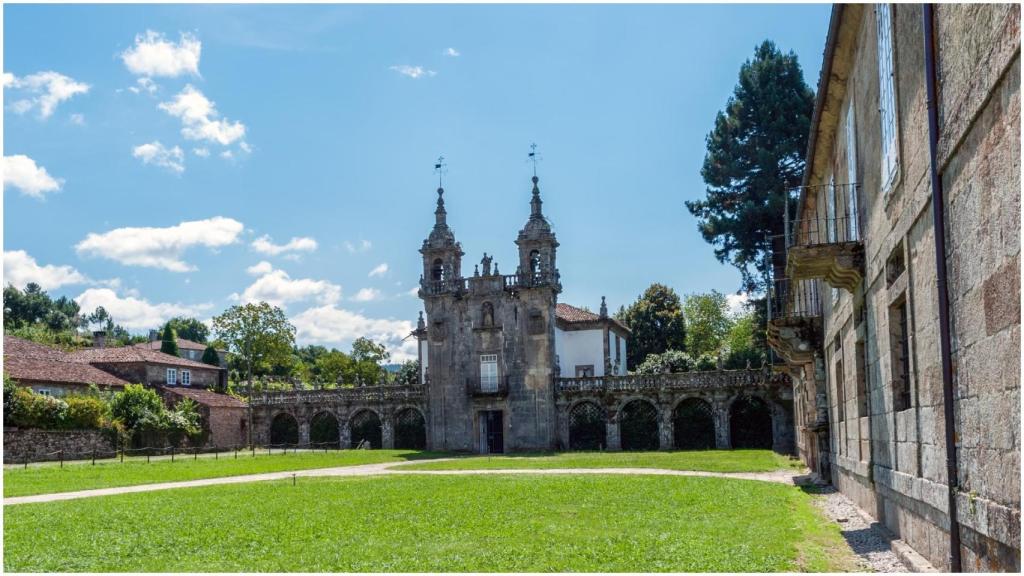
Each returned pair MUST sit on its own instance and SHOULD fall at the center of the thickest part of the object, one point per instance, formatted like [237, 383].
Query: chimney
[99, 339]
[154, 335]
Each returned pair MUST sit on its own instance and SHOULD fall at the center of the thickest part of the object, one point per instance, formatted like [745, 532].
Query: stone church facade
[490, 341]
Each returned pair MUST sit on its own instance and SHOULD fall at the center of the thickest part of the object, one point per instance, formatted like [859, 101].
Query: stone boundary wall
[36, 445]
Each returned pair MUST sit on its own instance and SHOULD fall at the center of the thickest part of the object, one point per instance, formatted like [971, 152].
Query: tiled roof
[134, 354]
[28, 361]
[207, 398]
[183, 343]
[570, 313]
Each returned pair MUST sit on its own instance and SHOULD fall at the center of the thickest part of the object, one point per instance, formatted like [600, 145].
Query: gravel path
[868, 540]
[781, 476]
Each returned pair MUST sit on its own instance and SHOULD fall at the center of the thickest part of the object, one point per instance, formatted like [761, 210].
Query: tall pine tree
[754, 154]
[169, 341]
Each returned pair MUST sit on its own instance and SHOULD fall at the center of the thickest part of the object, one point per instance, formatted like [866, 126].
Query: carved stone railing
[704, 381]
[357, 394]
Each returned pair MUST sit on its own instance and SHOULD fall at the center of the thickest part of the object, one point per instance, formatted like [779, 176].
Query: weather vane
[440, 169]
[534, 157]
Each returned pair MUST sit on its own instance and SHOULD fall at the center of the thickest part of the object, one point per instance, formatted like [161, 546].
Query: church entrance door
[492, 440]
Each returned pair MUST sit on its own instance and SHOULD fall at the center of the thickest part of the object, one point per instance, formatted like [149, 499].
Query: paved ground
[867, 539]
[782, 476]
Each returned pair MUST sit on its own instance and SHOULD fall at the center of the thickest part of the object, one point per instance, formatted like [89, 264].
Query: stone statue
[486, 263]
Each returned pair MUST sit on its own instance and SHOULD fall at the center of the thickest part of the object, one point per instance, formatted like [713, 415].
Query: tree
[670, 361]
[742, 345]
[332, 367]
[189, 329]
[755, 153]
[408, 373]
[257, 334]
[367, 357]
[135, 405]
[210, 356]
[707, 322]
[169, 341]
[655, 322]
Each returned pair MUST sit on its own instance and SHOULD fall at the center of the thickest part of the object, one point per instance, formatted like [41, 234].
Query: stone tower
[490, 342]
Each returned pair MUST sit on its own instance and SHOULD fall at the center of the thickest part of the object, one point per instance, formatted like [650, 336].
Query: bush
[706, 362]
[86, 412]
[38, 411]
[136, 405]
[670, 361]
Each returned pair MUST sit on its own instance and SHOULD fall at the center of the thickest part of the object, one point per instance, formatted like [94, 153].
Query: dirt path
[781, 476]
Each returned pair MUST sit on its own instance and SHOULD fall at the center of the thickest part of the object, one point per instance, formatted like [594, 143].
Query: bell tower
[442, 255]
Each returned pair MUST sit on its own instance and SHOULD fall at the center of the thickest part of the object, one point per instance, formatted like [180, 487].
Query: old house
[188, 349]
[899, 316]
[588, 344]
[52, 372]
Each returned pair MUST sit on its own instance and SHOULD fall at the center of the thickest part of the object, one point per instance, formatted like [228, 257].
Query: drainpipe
[939, 222]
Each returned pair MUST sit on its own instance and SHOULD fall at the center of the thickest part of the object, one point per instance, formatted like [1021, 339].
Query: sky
[165, 160]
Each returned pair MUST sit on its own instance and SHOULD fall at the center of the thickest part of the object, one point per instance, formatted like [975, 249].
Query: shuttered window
[887, 94]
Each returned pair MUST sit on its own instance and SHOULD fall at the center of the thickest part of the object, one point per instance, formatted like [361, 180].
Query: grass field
[49, 477]
[703, 460]
[434, 523]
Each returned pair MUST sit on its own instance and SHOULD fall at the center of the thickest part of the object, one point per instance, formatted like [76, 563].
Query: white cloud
[144, 84]
[44, 90]
[133, 312]
[156, 153]
[21, 172]
[339, 327]
[154, 55]
[160, 247]
[414, 292]
[380, 270]
[199, 118]
[363, 246]
[227, 155]
[77, 119]
[260, 268]
[366, 295]
[20, 269]
[201, 152]
[264, 245]
[413, 71]
[452, 52]
[737, 302]
[278, 289]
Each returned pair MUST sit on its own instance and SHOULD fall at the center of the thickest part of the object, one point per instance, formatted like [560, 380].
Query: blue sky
[160, 160]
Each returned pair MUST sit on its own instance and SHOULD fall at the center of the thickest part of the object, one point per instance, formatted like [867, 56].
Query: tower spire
[535, 202]
[440, 213]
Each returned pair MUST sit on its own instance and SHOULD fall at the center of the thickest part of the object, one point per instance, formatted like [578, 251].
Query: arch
[750, 422]
[323, 430]
[693, 425]
[365, 425]
[587, 426]
[535, 269]
[487, 314]
[437, 270]
[638, 426]
[410, 430]
[284, 429]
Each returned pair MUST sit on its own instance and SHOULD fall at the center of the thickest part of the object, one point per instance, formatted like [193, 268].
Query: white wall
[425, 355]
[579, 348]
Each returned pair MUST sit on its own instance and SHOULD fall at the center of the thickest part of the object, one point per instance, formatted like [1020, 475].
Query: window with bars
[887, 94]
[899, 342]
[837, 351]
[489, 372]
[830, 209]
[852, 217]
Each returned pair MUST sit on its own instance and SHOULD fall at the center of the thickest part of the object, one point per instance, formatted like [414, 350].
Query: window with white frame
[186, 378]
[852, 217]
[489, 372]
[172, 376]
[44, 392]
[887, 94]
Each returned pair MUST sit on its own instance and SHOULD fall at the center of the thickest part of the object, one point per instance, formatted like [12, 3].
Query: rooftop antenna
[440, 168]
[534, 157]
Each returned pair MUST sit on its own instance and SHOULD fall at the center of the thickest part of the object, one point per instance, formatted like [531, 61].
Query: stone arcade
[491, 381]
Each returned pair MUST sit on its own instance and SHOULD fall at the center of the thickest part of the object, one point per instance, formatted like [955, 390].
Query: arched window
[535, 264]
[437, 271]
[487, 314]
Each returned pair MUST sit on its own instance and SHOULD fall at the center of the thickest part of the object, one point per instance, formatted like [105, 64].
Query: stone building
[188, 349]
[490, 341]
[52, 372]
[859, 318]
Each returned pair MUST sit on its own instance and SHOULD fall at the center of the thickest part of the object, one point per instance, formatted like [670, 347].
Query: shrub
[706, 362]
[666, 362]
[86, 412]
[38, 411]
[136, 405]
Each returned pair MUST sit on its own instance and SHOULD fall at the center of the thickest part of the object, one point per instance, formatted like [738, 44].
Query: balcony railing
[508, 282]
[706, 380]
[794, 299]
[357, 394]
[481, 387]
[828, 245]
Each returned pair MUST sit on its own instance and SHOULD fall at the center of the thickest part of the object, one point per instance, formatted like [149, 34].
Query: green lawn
[703, 460]
[49, 477]
[434, 523]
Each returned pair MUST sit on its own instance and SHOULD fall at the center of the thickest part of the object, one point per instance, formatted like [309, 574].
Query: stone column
[612, 441]
[344, 436]
[721, 417]
[304, 433]
[387, 436]
[665, 429]
[562, 419]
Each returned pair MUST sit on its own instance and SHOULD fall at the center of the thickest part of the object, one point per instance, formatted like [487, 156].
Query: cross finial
[440, 168]
[534, 157]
